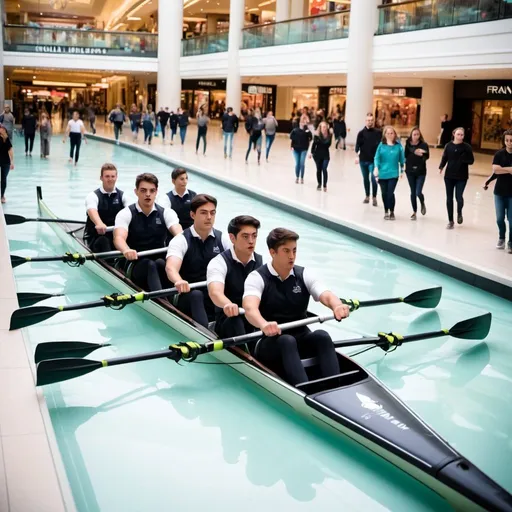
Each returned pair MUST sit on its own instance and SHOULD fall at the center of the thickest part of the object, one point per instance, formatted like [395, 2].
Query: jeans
[228, 139]
[162, 128]
[458, 186]
[269, 140]
[148, 131]
[257, 147]
[300, 162]
[321, 171]
[118, 128]
[135, 128]
[5, 168]
[29, 142]
[75, 140]
[416, 183]
[367, 171]
[201, 134]
[387, 187]
[503, 206]
[174, 129]
[183, 133]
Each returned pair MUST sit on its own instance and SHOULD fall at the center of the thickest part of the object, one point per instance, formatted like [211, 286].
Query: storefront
[211, 96]
[484, 109]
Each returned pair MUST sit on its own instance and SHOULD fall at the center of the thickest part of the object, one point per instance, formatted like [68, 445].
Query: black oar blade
[25, 317]
[16, 261]
[64, 349]
[14, 219]
[476, 328]
[58, 370]
[425, 298]
[30, 298]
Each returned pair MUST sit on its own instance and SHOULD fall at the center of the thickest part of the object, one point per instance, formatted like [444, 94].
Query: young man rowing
[279, 292]
[226, 274]
[143, 226]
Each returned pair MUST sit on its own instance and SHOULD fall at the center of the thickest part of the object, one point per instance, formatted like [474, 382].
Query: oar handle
[169, 291]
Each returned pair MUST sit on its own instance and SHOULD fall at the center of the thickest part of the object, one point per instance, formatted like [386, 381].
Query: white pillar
[2, 75]
[299, 9]
[170, 30]
[436, 100]
[363, 19]
[234, 81]
[282, 10]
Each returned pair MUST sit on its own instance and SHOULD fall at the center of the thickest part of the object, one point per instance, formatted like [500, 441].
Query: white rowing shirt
[217, 269]
[124, 217]
[178, 246]
[92, 201]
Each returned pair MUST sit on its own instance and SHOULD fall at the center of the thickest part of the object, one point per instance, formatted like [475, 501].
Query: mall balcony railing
[201, 45]
[23, 38]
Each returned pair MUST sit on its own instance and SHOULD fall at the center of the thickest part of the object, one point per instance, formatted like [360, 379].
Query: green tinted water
[156, 436]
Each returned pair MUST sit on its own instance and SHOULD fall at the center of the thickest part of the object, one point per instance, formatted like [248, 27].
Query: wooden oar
[76, 259]
[29, 316]
[30, 298]
[11, 219]
[57, 370]
[25, 317]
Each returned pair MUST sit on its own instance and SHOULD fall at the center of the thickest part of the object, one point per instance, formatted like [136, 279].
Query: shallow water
[157, 436]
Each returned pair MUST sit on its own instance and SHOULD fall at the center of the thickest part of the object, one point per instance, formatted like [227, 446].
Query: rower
[189, 254]
[102, 206]
[179, 197]
[226, 274]
[143, 226]
[279, 292]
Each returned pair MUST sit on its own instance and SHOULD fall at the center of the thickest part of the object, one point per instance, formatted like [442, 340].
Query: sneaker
[386, 216]
[296, 180]
[302, 181]
[460, 220]
[501, 244]
[366, 200]
[509, 246]
[413, 216]
[392, 216]
[325, 189]
[225, 155]
[319, 187]
[374, 201]
[450, 225]
[423, 209]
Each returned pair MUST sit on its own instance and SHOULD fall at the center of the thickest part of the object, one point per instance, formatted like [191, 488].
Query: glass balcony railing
[22, 38]
[211, 43]
[302, 30]
[421, 14]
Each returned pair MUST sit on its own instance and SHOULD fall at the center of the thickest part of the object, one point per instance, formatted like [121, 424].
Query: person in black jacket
[229, 128]
[173, 123]
[320, 152]
[340, 131]
[367, 142]
[416, 156]
[300, 137]
[183, 123]
[163, 119]
[29, 125]
[457, 157]
[255, 135]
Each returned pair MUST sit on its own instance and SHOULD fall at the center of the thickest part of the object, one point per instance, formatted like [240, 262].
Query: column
[282, 10]
[299, 9]
[363, 20]
[234, 81]
[2, 74]
[284, 102]
[170, 30]
[436, 100]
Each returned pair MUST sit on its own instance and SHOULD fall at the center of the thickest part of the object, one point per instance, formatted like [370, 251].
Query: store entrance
[496, 118]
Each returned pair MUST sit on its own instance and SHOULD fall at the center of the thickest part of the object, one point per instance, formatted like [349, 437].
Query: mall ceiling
[90, 8]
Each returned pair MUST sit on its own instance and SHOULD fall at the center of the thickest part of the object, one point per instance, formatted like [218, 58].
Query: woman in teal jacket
[389, 166]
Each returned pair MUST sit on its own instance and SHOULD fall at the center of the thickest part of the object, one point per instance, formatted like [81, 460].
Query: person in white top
[102, 206]
[278, 293]
[76, 132]
[188, 256]
[144, 226]
[226, 275]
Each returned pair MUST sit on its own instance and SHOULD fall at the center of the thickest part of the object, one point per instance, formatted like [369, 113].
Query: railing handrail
[398, 4]
[82, 31]
[206, 36]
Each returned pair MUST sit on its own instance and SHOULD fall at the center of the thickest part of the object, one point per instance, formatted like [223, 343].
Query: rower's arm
[95, 217]
[172, 269]
[216, 292]
[251, 304]
[120, 236]
[330, 300]
[176, 229]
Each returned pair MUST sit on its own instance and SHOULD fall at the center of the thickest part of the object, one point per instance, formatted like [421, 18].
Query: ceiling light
[34, 77]
[59, 84]
[133, 18]
[268, 2]
[140, 6]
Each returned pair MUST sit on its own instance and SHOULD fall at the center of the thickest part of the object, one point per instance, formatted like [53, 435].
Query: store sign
[500, 90]
[74, 50]
[259, 89]
[206, 83]
[390, 92]
[338, 90]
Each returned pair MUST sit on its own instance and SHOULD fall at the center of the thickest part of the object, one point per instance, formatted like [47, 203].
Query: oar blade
[51, 371]
[26, 299]
[25, 317]
[11, 219]
[476, 328]
[65, 349]
[16, 261]
[427, 299]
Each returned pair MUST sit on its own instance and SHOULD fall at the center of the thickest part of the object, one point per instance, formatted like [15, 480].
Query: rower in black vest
[188, 257]
[144, 226]
[179, 198]
[102, 206]
[279, 292]
[226, 276]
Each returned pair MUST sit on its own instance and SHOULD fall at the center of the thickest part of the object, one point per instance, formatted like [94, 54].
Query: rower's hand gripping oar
[50, 371]
[25, 317]
[11, 219]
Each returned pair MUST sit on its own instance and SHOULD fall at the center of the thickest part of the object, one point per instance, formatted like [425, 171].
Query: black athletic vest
[235, 278]
[181, 205]
[147, 232]
[199, 254]
[284, 301]
[108, 207]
